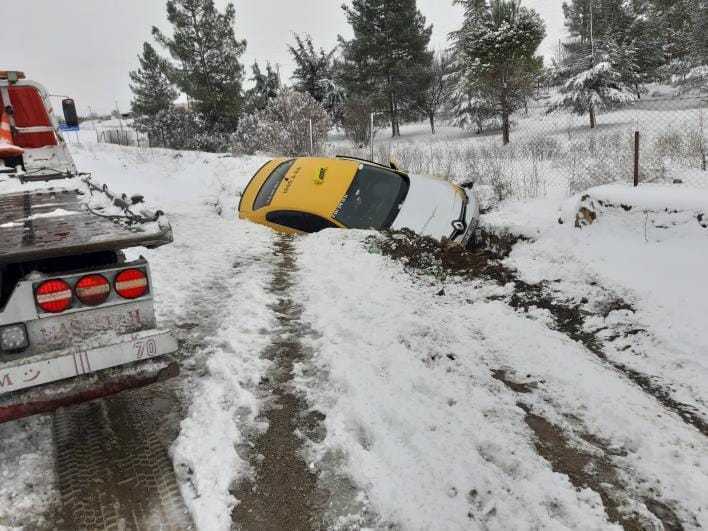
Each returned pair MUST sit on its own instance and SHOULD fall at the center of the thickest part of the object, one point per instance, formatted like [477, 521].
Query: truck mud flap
[91, 386]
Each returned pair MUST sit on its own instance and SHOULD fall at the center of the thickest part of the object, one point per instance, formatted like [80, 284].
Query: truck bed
[55, 222]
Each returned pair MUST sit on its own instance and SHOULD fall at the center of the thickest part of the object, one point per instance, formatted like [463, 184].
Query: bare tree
[439, 87]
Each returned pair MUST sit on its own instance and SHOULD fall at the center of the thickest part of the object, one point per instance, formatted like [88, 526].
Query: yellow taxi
[310, 194]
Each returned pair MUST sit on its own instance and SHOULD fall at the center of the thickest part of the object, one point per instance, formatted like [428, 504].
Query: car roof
[315, 185]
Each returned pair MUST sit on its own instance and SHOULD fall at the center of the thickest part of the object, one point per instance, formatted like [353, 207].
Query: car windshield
[373, 199]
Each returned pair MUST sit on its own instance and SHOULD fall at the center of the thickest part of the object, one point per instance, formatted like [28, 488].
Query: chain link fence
[122, 137]
[654, 140]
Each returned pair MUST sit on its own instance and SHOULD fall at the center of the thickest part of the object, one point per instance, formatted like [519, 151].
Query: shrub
[356, 121]
[248, 138]
[284, 126]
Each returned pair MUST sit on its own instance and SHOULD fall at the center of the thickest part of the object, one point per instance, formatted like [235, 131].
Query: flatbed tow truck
[77, 320]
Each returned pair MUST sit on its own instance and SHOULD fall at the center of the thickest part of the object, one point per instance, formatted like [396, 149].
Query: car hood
[430, 207]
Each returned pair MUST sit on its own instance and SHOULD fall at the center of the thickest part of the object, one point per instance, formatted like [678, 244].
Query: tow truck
[77, 318]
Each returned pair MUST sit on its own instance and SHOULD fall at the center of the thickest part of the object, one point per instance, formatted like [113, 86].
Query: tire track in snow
[113, 468]
[113, 459]
[570, 318]
[564, 455]
[585, 468]
[282, 494]
[222, 325]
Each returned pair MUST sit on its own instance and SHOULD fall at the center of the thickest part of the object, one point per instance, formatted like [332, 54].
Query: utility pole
[95, 123]
[120, 117]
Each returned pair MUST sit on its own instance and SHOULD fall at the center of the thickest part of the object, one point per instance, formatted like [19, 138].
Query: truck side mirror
[70, 116]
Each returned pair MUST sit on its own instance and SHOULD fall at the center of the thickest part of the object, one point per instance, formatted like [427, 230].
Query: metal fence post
[371, 140]
[636, 158]
[312, 140]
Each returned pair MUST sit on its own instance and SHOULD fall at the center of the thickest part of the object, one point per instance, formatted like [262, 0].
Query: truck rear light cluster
[131, 284]
[93, 290]
[56, 295]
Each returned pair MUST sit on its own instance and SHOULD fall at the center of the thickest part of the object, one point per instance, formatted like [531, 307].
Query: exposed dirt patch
[585, 470]
[500, 244]
[442, 259]
[283, 491]
[517, 387]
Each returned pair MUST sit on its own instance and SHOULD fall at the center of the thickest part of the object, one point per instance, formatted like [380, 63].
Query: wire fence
[123, 137]
[654, 140]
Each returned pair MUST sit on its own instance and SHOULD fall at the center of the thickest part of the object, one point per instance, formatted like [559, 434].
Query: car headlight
[13, 338]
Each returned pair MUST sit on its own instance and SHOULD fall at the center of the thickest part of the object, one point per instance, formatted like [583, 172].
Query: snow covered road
[348, 379]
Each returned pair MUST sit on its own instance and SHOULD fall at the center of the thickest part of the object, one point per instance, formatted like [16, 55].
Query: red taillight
[93, 290]
[131, 284]
[53, 296]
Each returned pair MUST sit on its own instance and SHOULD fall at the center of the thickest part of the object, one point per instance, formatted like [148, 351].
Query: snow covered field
[557, 154]
[446, 399]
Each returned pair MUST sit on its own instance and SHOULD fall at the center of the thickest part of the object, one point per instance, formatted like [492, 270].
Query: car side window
[301, 221]
[271, 184]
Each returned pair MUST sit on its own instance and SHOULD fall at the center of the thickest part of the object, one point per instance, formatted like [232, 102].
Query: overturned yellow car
[310, 194]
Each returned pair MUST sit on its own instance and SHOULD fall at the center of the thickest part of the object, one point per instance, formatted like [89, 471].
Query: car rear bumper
[20, 404]
[40, 369]
[68, 376]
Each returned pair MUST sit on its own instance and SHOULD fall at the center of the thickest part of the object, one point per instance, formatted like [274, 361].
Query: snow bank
[223, 403]
[645, 198]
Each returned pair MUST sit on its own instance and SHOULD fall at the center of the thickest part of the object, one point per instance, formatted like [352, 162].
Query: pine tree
[471, 108]
[387, 55]
[699, 37]
[334, 97]
[266, 86]
[312, 66]
[207, 55]
[605, 19]
[469, 104]
[496, 49]
[626, 62]
[672, 22]
[152, 90]
[598, 87]
[626, 24]
[694, 82]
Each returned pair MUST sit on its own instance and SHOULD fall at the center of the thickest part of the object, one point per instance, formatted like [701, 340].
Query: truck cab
[77, 318]
[35, 129]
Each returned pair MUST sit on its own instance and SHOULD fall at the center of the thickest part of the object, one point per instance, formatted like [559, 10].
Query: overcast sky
[85, 48]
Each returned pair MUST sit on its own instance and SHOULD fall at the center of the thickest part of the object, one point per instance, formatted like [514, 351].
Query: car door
[298, 221]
